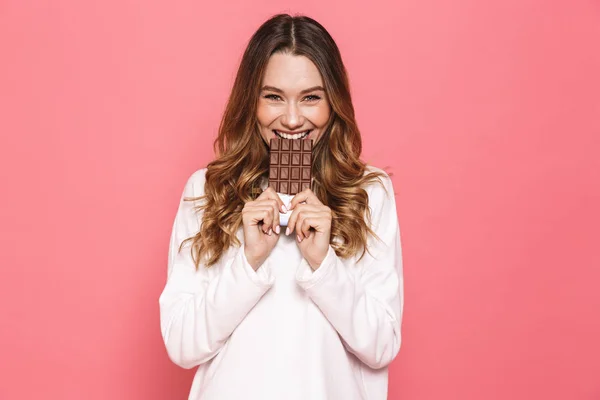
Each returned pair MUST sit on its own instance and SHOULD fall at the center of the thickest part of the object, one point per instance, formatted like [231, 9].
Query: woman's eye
[307, 98]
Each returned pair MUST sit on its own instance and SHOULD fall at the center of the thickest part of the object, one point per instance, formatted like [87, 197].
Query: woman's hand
[311, 220]
[260, 219]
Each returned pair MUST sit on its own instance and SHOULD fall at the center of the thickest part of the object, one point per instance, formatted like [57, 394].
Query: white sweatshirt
[284, 331]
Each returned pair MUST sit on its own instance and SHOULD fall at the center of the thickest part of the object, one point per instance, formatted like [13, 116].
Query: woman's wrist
[254, 262]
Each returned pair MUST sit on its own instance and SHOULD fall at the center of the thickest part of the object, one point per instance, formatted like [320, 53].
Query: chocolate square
[295, 173]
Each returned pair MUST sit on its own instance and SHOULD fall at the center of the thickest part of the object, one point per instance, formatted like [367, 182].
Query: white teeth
[300, 135]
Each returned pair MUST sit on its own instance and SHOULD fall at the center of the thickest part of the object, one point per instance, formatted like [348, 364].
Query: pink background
[487, 113]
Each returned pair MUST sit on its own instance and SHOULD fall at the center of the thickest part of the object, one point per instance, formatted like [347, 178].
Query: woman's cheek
[262, 114]
[320, 115]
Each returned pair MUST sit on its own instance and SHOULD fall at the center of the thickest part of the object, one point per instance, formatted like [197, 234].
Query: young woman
[311, 311]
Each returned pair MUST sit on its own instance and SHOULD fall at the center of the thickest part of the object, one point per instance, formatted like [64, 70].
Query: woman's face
[292, 102]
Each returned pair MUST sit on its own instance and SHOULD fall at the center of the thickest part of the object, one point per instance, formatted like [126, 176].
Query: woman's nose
[293, 117]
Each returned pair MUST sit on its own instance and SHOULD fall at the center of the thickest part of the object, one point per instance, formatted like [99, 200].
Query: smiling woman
[293, 103]
[267, 315]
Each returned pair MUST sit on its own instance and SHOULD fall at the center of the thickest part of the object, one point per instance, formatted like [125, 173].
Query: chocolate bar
[290, 165]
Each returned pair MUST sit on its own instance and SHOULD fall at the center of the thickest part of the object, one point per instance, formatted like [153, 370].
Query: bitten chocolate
[290, 168]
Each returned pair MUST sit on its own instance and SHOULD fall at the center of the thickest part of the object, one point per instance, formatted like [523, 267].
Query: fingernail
[299, 238]
[287, 231]
[270, 231]
[277, 229]
[283, 209]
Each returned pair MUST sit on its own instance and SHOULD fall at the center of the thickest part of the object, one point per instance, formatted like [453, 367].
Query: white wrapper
[284, 217]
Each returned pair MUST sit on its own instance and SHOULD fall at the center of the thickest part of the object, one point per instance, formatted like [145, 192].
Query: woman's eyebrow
[277, 90]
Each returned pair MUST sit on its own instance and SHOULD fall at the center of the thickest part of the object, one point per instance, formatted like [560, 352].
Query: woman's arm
[200, 309]
[364, 300]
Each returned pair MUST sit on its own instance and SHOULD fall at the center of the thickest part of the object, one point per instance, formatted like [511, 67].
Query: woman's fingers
[265, 216]
[307, 216]
[272, 206]
[269, 193]
[305, 205]
[306, 196]
[306, 224]
[295, 215]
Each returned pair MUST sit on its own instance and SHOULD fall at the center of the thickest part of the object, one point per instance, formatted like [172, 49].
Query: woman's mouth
[298, 135]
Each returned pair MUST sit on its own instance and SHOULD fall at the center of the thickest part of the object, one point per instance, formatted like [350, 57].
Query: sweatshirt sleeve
[199, 309]
[364, 300]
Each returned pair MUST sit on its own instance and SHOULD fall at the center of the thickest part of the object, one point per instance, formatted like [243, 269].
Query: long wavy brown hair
[242, 158]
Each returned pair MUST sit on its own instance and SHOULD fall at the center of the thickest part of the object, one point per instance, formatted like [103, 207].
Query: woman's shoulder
[383, 177]
[371, 168]
[194, 185]
[380, 189]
